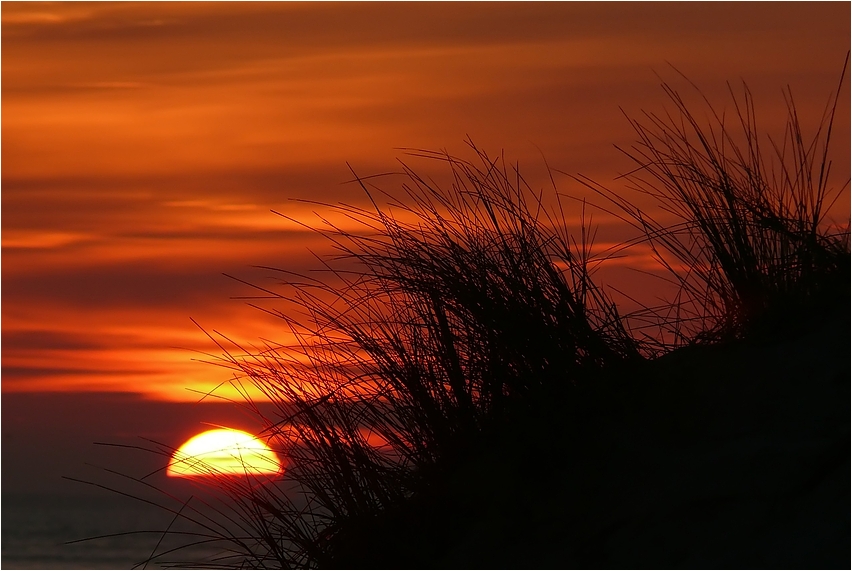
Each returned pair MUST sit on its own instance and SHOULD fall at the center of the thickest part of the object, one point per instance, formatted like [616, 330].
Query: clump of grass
[459, 308]
[456, 309]
[751, 246]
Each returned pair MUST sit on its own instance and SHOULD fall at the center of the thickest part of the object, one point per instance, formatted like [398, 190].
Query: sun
[223, 452]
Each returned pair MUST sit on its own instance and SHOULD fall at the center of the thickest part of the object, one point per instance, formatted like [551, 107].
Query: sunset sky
[144, 145]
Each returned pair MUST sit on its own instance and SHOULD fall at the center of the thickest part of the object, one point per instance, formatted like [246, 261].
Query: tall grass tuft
[448, 313]
[752, 246]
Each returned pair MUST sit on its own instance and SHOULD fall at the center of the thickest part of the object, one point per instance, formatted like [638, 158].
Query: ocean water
[37, 527]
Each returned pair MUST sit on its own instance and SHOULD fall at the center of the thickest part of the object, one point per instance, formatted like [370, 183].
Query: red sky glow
[144, 145]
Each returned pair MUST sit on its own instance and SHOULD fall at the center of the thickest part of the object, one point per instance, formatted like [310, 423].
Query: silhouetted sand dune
[730, 456]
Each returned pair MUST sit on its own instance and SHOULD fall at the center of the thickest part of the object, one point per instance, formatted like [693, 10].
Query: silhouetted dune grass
[468, 306]
[753, 232]
[461, 387]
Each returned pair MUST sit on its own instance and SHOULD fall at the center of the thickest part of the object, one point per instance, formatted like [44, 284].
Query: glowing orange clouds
[145, 144]
[223, 452]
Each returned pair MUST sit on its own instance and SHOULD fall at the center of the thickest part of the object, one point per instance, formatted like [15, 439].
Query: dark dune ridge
[719, 457]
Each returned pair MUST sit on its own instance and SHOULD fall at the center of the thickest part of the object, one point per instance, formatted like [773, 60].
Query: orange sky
[143, 145]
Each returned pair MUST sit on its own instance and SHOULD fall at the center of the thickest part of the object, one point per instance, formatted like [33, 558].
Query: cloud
[41, 339]
[144, 145]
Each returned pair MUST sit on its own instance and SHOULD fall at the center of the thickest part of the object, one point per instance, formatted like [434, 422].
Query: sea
[43, 531]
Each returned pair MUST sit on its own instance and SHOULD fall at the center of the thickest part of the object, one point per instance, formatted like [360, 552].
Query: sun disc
[223, 452]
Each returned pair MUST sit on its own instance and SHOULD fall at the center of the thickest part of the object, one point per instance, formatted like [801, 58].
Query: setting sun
[223, 452]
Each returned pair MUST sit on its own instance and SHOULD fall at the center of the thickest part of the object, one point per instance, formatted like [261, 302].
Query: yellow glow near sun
[223, 452]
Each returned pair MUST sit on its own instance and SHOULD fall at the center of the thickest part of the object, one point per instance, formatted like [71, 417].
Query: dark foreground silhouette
[728, 456]
[523, 421]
